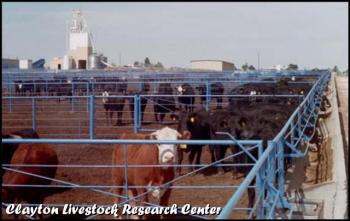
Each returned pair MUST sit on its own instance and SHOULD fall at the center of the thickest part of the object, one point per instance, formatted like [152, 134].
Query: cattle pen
[79, 119]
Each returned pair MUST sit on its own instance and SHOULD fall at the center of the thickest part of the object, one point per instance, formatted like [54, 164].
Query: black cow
[163, 105]
[241, 128]
[111, 105]
[18, 88]
[223, 121]
[28, 86]
[80, 86]
[197, 126]
[259, 122]
[7, 150]
[188, 102]
[216, 88]
[122, 85]
[64, 89]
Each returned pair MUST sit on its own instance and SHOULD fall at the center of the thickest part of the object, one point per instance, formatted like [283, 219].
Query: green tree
[147, 62]
[159, 65]
[136, 63]
[251, 67]
[336, 69]
[245, 67]
[292, 67]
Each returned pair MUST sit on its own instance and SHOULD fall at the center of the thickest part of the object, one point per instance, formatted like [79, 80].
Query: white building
[25, 64]
[212, 65]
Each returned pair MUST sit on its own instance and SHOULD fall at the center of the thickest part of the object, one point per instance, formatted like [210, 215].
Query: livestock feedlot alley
[264, 120]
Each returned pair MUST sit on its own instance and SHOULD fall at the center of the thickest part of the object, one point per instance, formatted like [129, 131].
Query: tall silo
[67, 62]
[94, 61]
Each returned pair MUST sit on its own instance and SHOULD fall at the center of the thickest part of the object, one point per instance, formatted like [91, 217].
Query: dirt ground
[57, 120]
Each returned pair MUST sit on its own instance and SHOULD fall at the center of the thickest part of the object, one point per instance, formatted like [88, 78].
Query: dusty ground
[56, 120]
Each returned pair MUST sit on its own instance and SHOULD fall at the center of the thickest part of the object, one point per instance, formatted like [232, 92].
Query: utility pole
[258, 60]
[120, 59]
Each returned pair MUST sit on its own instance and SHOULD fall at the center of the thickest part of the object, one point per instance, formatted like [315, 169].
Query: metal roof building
[212, 65]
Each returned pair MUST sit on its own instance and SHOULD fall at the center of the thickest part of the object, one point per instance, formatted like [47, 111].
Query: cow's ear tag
[192, 119]
[183, 146]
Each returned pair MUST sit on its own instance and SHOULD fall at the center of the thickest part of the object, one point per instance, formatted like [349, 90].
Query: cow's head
[167, 152]
[179, 89]
[244, 129]
[185, 120]
[105, 96]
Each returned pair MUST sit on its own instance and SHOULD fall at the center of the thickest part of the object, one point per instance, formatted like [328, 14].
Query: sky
[308, 34]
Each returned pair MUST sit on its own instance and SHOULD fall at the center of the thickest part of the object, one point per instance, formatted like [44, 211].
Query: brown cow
[146, 154]
[29, 154]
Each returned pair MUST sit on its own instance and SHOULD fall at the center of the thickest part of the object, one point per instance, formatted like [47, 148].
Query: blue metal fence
[268, 170]
[84, 117]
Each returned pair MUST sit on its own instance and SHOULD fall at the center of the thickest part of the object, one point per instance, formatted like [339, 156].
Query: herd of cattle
[245, 118]
[109, 88]
[166, 103]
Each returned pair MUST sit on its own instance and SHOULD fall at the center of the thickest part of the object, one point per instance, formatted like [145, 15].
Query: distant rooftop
[210, 60]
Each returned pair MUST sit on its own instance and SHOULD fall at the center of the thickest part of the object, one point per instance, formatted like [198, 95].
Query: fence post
[208, 93]
[126, 174]
[33, 113]
[136, 113]
[72, 95]
[259, 186]
[91, 117]
[87, 97]
[270, 173]
[280, 174]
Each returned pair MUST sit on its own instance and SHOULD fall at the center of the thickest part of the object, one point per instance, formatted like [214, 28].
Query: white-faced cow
[146, 154]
